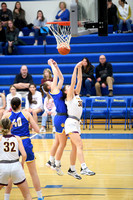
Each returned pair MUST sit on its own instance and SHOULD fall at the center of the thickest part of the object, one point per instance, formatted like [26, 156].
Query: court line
[91, 136]
[85, 188]
[61, 195]
[93, 150]
[96, 174]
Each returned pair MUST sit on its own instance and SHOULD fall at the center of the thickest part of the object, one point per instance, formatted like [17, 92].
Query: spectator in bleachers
[13, 93]
[5, 14]
[34, 103]
[2, 38]
[2, 104]
[63, 14]
[49, 110]
[124, 14]
[112, 15]
[19, 17]
[88, 79]
[104, 76]
[12, 40]
[47, 76]
[22, 81]
[39, 22]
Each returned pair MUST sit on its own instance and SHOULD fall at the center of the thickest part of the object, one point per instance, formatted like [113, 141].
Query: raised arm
[79, 77]
[60, 75]
[71, 91]
[55, 78]
[57, 73]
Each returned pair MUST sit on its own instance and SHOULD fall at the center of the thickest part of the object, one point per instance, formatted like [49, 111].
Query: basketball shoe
[41, 198]
[74, 174]
[51, 165]
[87, 171]
[58, 170]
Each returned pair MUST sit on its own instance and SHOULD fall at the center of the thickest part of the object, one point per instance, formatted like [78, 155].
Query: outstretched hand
[51, 61]
[79, 64]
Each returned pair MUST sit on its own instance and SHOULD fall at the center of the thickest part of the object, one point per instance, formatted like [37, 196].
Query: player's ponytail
[45, 87]
[64, 94]
[15, 103]
[5, 124]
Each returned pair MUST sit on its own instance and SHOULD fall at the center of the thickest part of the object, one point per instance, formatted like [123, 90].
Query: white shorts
[13, 171]
[72, 126]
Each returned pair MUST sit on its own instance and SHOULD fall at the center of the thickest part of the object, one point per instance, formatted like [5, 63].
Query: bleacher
[118, 49]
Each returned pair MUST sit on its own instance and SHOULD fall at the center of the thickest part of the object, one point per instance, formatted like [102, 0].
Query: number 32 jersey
[20, 124]
[8, 148]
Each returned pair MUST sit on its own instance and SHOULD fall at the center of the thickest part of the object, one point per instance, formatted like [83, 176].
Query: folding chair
[99, 108]
[118, 108]
[130, 113]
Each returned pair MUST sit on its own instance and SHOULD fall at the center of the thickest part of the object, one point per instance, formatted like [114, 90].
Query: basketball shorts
[59, 122]
[28, 146]
[72, 126]
[13, 171]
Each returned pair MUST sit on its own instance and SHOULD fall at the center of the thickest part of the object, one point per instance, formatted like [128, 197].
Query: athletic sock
[57, 163]
[72, 168]
[39, 194]
[83, 165]
[6, 196]
[52, 159]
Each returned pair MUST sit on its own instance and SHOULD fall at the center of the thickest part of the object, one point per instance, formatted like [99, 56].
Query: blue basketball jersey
[59, 103]
[20, 124]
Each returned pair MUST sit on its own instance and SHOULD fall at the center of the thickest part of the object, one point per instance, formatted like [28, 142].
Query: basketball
[63, 49]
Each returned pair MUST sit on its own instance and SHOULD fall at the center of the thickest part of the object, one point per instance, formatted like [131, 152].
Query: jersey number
[8, 145]
[80, 103]
[18, 123]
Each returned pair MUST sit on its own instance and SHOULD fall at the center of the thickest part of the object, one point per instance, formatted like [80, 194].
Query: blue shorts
[29, 149]
[59, 122]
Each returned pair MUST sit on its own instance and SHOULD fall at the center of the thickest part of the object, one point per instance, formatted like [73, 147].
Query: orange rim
[62, 23]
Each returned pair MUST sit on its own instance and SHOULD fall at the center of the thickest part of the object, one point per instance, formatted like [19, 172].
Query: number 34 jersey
[20, 124]
[8, 148]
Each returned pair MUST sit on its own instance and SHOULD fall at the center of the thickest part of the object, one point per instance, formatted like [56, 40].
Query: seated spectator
[112, 15]
[39, 22]
[22, 81]
[5, 14]
[47, 76]
[34, 103]
[12, 40]
[49, 110]
[19, 17]
[88, 79]
[2, 38]
[2, 104]
[124, 14]
[104, 76]
[9, 97]
[63, 14]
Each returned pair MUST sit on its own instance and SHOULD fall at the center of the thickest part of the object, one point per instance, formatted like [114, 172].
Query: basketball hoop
[62, 33]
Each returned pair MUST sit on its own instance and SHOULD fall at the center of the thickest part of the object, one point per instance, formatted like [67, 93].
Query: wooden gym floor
[108, 153]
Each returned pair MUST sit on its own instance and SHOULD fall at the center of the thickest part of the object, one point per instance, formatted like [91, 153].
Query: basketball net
[62, 34]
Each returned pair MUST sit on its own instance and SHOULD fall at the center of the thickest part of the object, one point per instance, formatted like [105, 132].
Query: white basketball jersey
[8, 148]
[74, 107]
